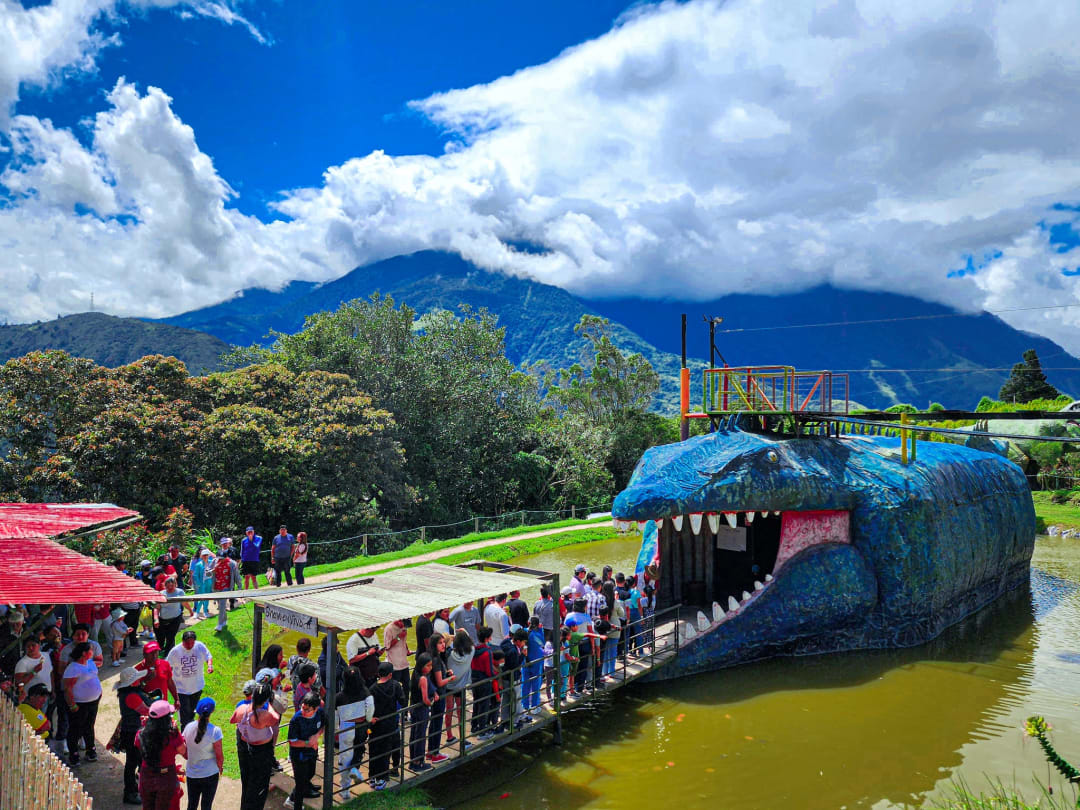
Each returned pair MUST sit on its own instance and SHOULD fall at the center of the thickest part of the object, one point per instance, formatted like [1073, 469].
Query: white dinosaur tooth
[745, 596]
[695, 522]
[732, 519]
[717, 612]
[702, 621]
[758, 586]
[732, 604]
[768, 577]
[676, 521]
[688, 631]
[749, 517]
[659, 523]
[776, 512]
[714, 522]
[641, 526]
[765, 514]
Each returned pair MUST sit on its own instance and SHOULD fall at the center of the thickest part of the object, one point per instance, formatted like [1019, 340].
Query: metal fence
[31, 776]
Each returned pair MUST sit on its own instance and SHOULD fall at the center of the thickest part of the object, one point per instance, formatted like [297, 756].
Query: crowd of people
[489, 668]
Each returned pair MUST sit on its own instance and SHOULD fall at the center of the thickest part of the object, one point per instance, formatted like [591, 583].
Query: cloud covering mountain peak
[695, 150]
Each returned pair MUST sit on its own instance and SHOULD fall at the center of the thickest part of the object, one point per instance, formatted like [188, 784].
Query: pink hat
[161, 708]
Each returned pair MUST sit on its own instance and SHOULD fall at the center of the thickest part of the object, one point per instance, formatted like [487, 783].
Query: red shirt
[84, 614]
[158, 679]
[169, 751]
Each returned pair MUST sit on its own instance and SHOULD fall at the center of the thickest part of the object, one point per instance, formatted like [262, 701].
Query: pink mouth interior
[800, 530]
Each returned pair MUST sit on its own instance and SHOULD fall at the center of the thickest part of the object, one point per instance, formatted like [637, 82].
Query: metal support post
[903, 439]
[556, 648]
[329, 749]
[256, 639]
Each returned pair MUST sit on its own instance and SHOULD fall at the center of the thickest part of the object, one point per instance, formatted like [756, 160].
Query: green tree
[1027, 382]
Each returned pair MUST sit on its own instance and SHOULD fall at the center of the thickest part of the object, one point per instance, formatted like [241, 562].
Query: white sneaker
[289, 802]
[117, 663]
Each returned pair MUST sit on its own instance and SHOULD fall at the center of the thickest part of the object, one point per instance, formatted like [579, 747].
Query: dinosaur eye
[772, 456]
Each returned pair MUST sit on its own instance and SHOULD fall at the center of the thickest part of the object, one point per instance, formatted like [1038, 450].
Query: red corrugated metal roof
[36, 570]
[54, 519]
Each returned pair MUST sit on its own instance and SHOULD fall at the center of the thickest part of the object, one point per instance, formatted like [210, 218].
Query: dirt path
[104, 780]
[432, 556]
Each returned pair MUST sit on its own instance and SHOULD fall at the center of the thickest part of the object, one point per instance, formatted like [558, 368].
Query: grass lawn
[1048, 513]
[231, 648]
[437, 545]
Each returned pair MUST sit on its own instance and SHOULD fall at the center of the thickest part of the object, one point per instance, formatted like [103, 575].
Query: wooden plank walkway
[471, 748]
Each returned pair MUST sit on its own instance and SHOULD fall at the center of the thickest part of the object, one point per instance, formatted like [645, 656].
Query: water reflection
[868, 729]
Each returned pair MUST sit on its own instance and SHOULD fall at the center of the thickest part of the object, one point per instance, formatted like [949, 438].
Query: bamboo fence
[31, 776]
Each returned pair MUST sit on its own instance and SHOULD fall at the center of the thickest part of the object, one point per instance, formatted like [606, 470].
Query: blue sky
[164, 154]
[332, 82]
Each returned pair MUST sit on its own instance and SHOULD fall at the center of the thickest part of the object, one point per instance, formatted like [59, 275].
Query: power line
[890, 320]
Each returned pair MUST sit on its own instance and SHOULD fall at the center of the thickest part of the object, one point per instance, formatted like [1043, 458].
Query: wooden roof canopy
[397, 594]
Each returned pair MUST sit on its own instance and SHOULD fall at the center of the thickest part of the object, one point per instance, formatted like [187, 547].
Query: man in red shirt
[159, 673]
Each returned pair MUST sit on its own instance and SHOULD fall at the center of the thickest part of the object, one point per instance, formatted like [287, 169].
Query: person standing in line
[518, 610]
[577, 582]
[339, 668]
[495, 617]
[255, 727]
[305, 731]
[82, 689]
[388, 697]
[297, 661]
[32, 709]
[282, 554]
[396, 644]
[534, 666]
[441, 624]
[250, 547]
[299, 556]
[33, 668]
[459, 666]
[483, 689]
[425, 627]
[101, 618]
[467, 618]
[421, 696]
[202, 578]
[160, 743]
[205, 757]
[439, 679]
[354, 709]
[159, 675]
[134, 708]
[364, 655]
[226, 578]
[227, 549]
[117, 632]
[544, 610]
[187, 662]
[168, 616]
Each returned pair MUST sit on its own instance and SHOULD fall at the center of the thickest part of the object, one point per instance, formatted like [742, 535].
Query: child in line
[118, 631]
[305, 730]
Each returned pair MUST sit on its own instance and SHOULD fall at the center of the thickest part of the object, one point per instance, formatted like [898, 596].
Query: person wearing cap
[205, 758]
[202, 581]
[250, 547]
[187, 661]
[159, 675]
[159, 743]
[32, 710]
[134, 707]
[11, 640]
[282, 554]
[118, 631]
[577, 582]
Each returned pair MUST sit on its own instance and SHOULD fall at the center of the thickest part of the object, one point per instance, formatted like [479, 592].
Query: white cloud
[701, 148]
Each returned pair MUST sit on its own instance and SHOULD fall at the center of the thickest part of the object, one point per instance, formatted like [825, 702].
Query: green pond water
[860, 730]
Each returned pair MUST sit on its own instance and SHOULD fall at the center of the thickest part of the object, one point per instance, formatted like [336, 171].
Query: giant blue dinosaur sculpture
[871, 554]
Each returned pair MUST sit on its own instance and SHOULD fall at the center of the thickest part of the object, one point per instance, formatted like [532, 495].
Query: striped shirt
[594, 603]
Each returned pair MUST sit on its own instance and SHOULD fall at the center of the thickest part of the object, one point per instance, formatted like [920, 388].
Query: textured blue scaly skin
[931, 542]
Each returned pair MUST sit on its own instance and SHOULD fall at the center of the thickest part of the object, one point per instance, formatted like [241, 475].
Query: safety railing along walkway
[484, 726]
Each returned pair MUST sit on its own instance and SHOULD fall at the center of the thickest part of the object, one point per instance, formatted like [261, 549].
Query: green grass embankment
[231, 649]
[1048, 513]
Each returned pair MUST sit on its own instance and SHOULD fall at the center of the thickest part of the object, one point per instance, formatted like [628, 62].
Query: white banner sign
[728, 539]
[291, 620]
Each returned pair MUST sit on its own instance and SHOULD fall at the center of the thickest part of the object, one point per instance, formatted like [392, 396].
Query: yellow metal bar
[903, 439]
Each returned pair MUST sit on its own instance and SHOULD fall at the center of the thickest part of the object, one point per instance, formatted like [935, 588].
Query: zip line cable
[890, 320]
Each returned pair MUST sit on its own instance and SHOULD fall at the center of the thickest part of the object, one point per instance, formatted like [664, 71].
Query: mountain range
[913, 351]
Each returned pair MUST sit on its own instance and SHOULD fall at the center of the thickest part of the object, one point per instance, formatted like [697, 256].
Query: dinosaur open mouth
[731, 558]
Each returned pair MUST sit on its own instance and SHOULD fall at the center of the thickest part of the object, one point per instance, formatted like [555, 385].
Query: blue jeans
[611, 646]
[530, 685]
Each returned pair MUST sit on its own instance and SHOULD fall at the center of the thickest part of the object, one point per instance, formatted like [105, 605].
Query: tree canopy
[1027, 382]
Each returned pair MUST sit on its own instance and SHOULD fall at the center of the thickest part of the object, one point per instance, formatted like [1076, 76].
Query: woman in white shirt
[205, 759]
[82, 691]
[299, 556]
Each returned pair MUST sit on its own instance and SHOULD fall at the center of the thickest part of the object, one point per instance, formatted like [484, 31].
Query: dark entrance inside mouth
[711, 566]
[744, 555]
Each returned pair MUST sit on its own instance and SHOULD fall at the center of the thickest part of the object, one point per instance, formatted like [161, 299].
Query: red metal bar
[811, 394]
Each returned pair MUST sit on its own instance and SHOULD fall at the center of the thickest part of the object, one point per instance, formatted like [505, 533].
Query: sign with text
[291, 620]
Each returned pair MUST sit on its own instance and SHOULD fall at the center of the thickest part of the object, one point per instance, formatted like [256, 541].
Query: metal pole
[556, 648]
[329, 757]
[256, 639]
